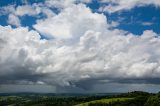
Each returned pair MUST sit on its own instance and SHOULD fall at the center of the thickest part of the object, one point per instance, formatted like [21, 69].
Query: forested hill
[135, 98]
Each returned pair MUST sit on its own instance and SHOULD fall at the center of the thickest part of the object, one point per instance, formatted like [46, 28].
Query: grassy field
[104, 101]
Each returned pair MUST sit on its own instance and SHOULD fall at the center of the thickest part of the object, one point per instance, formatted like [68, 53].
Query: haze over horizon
[79, 46]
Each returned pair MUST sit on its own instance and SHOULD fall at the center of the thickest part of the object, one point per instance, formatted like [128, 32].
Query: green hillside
[105, 101]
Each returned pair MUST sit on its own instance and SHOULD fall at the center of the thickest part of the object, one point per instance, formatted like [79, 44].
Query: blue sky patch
[138, 19]
[18, 2]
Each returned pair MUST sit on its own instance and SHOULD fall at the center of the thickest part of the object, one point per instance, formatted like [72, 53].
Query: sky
[79, 46]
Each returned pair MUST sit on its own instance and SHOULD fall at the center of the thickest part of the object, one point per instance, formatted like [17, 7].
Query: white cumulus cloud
[118, 5]
[14, 20]
[84, 51]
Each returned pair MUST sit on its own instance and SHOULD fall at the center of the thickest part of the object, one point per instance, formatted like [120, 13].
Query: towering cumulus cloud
[82, 49]
[72, 22]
